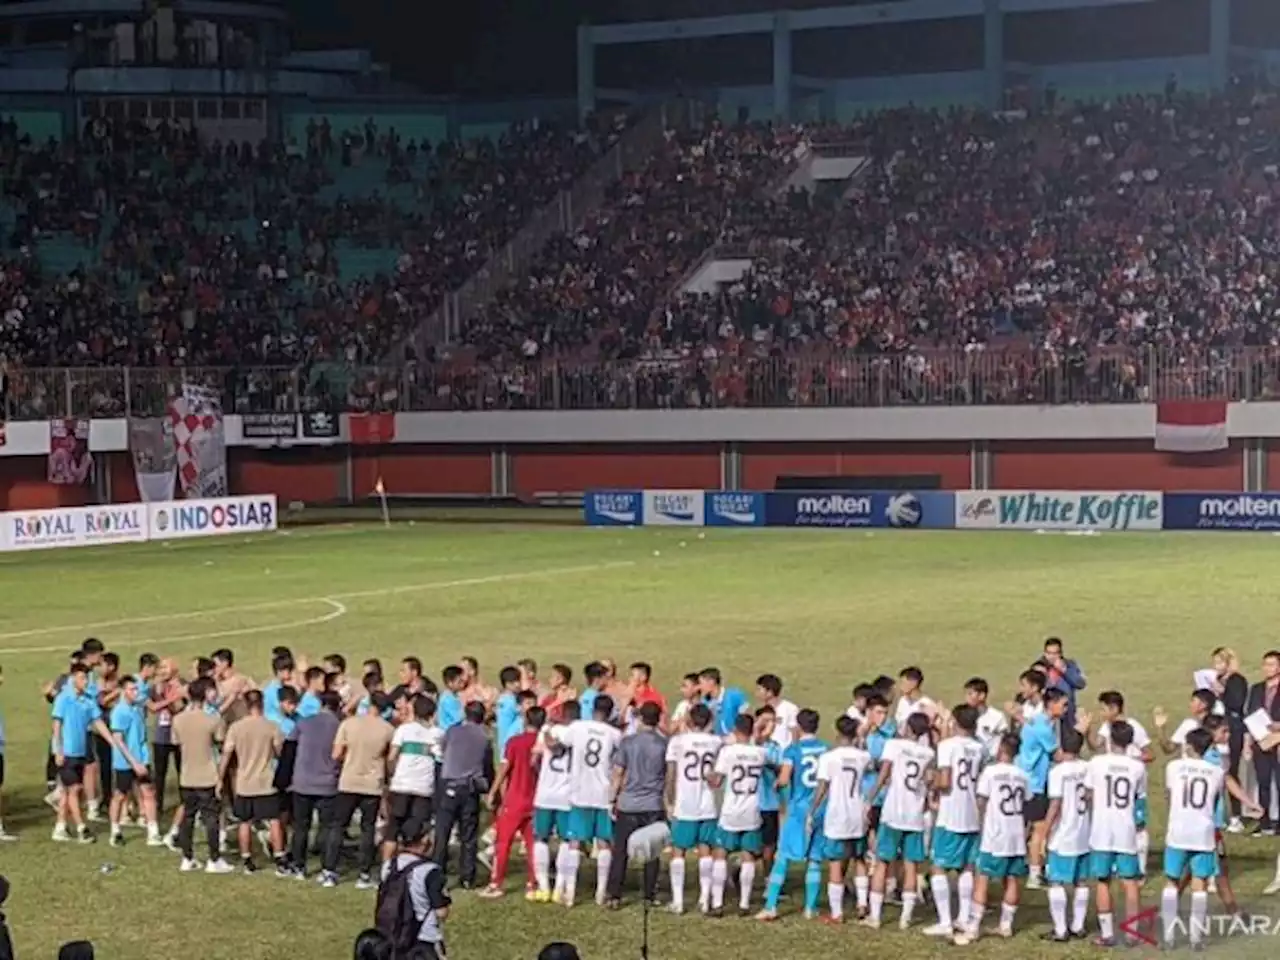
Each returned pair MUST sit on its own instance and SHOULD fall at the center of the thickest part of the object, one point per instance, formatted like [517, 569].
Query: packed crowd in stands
[975, 257]
[143, 246]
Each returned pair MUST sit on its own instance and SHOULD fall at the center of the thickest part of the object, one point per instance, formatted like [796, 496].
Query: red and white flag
[1191, 426]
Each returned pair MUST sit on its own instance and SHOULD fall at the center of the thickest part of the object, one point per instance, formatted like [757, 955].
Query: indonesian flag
[1191, 426]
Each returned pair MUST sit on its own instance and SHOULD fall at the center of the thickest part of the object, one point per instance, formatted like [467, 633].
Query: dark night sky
[513, 47]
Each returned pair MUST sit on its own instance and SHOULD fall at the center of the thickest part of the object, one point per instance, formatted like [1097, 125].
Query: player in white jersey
[913, 699]
[992, 723]
[958, 828]
[1003, 789]
[1112, 708]
[858, 708]
[552, 808]
[1116, 783]
[769, 692]
[1194, 787]
[906, 769]
[690, 694]
[1202, 704]
[1030, 700]
[1068, 823]
[593, 743]
[691, 803]
[843, 836]
[1111, 703]
[738, 770]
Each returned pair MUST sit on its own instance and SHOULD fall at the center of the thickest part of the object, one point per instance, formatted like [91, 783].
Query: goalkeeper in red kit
[512, 798]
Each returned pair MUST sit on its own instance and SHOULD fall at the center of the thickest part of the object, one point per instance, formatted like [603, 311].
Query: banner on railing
[737, 508]
[674, 508]
[734, 508]
[320, 425]
[70, 462]
[859, 508]
[269, 426]
[135, 522]
[73, 527]
[209, 518]
[1059, 510]
[1222, 511]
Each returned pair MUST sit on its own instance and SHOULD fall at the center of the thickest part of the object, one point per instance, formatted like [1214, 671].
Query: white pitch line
[327, 598]
[337, 611]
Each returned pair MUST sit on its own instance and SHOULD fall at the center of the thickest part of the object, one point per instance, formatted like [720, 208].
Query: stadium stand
[1117, 250]
[164, 250]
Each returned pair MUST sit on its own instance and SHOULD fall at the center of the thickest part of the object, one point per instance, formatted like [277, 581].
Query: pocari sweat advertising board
[858, 508]
[612, 508]
[1222, 511]
[1059, 510]
[733, 508]
[674, 508]
[181, 519]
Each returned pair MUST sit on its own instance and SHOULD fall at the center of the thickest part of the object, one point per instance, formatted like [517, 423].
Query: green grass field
[822, 609]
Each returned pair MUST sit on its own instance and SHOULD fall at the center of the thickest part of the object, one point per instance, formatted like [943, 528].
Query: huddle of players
[956, 789]
[306, 745]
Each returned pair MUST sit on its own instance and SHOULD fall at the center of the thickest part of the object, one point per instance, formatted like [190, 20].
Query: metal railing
[943, 378]
[561, 215]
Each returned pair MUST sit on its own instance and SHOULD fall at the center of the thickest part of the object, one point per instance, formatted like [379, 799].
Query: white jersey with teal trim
[992, 725]
[842, 770]
[593, 743]
[1005, 787]
[1140, 738]
[958, 806]
[694, 757]
[741, 765]
[1116, 783]
[555, 777]
[908, 788]
[1070, 837]
[1194, 787]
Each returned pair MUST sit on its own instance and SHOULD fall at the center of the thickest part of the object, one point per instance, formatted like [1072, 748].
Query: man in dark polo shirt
[465, 775]
[315, 778]
[639, 781]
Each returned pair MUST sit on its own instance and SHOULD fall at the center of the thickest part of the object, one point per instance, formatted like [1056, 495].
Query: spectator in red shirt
[643, 691]
[512, 797]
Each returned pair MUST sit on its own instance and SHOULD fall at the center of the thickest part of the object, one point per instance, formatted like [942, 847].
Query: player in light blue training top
[449, 707]
[130, 760]
[770, 797]
[508, 716]
[799, 778]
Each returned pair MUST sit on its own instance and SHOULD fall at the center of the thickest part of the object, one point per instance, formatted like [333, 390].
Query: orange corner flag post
[381, 491]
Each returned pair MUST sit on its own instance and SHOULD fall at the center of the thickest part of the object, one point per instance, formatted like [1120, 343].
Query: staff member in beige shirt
[197, 731]
[252, 746]
[362, 744]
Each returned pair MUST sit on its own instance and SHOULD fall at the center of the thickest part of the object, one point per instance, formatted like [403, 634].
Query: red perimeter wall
[317, 474]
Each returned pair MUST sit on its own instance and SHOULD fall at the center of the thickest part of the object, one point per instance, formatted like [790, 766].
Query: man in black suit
[1266, 696]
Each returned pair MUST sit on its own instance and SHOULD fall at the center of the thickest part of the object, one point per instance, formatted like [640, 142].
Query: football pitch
[823, 609]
